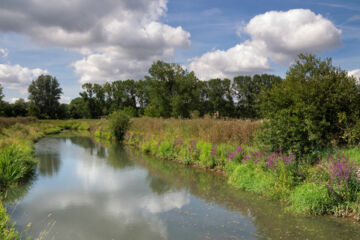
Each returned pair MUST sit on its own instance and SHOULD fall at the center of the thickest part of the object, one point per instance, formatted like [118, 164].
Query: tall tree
[44, 96]
[2, 104]
[246, 90]
[218, 97]
[172, 90]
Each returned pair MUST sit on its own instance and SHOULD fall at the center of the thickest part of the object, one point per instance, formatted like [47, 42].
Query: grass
[206, 129]
[7, 122]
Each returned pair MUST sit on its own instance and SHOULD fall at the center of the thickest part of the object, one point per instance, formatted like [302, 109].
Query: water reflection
[109, 193]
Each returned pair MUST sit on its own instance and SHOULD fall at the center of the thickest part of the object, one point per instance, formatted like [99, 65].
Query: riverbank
[329, 187]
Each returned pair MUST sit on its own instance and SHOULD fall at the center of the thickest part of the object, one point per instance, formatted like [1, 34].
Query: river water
[83, 190]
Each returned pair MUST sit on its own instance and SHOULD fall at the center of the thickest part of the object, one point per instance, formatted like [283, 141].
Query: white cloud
[244, 59]
[355, 73]
[286, 34]
[18, 77]
[3, 52]
[118, 38]
[276, 35]
[65, 99]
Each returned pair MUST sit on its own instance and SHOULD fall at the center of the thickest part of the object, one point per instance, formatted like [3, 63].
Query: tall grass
[205, 129]
[7, 122]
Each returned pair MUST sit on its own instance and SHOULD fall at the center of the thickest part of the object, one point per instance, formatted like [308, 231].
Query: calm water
[86, 191]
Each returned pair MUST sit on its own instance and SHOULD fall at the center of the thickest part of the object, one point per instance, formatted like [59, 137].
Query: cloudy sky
[82, 41]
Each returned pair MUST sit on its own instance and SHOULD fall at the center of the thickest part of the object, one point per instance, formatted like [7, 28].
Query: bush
[311, 198]
[311, 109]
[54, 130]
[119, 123]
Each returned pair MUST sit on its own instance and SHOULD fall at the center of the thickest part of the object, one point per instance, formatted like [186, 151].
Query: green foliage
[205, 154]
[54, 130]
[130, 111]
[7, 230]
[83, 126]
[44, 95]
[151, 111]
[166, 149]
[255, 178]
[15, 164]
[173, 91]
[311, 198]
[78, 108]
[247, 89]
[217, 98]
[119, 123]
[306, 111]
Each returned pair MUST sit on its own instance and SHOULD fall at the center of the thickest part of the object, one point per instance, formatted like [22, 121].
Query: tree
[44, 95]
[246, 90]
[218, 98]
[173, 91]
[311, 108]
[20, 108]
[2, 104]
[94, 99]
[78, 109]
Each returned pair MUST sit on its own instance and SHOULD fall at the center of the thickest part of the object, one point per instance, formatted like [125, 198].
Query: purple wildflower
[231, 157]
[214, 151]
[238, 150]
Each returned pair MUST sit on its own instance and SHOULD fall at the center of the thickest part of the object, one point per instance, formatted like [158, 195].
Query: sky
[80, 41]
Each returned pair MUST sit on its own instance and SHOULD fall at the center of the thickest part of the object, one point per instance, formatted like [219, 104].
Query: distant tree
[20, 108]
[44, 96]
[218, 98]
[172, 90]
[78, 109]
[94, 99]
[246, 90]
[142, 95]
[2, 103]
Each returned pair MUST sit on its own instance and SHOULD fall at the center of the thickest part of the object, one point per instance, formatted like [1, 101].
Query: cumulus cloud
[117, 38]
[3, 52]
[18, 77]
[276, 35]
[65, 99]
[356, 74]
[243, 59]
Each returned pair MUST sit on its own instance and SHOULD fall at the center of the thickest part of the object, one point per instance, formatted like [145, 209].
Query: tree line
[168, 91]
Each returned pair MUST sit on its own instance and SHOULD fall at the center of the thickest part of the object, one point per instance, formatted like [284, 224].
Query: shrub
[311, 198]
[119, 123]
[54, 130]
[308, 110]
[84, 126]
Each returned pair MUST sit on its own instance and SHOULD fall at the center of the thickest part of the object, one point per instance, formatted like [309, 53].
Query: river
[83, 190]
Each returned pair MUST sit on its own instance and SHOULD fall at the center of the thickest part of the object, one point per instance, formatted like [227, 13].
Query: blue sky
[87, 42]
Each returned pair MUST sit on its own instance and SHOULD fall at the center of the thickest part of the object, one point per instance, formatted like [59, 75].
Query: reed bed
[204, 129]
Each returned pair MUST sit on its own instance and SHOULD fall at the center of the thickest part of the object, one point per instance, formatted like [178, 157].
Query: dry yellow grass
[206, 129]
[8, 121]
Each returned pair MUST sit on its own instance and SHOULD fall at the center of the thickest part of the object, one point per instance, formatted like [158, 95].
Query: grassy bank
[331, 186]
